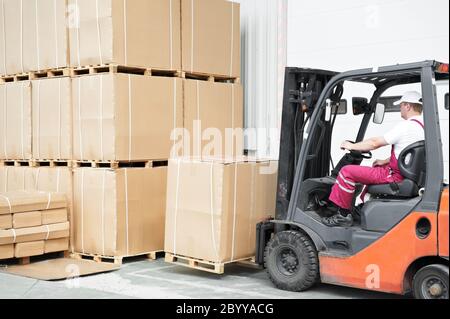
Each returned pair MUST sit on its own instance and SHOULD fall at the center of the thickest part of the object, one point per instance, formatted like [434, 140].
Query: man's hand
[379, 163]
[347, 146]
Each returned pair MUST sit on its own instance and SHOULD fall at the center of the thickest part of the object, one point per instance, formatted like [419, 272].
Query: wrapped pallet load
[214, 119]
[119, 213]
[213, 208]
[131, 33]
[211, 37]
[34, 34]
[15, 121]
[52, 119]
[124, 117]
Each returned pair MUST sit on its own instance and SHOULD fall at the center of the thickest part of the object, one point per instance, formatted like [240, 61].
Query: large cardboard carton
[213, 207]
[28, 219]
[126, 32]
[119, 212]
[125, 117]
[52, 119]
[15, 121]
[6, 221]
[214, 119]
[30, 249]
[6, 251]
[14, 178]
[211, 39]
[34, 36]
[27, 201]
[24, 235]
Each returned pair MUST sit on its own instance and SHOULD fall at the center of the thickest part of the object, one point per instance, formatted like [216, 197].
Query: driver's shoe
[338, 220]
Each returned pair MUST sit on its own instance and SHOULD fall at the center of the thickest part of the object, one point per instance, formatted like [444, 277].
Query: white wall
[354, 34]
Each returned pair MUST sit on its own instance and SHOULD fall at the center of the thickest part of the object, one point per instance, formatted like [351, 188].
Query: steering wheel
[360, 154]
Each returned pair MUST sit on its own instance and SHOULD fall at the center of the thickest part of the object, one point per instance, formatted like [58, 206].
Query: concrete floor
[157, 279]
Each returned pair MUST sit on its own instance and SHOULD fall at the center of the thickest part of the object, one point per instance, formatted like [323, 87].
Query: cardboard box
[52, 119]
[20, 202]
[125, 117]
[213, 207]
[54, 216]
[119, 212]
[41, 26]
[6, 221]
[214, 119]
[15, 123]
[29, 219]
[6, 251]
[211, 41]
[56, 245]
[126, 32]
[14, 178]
[35, 248]
[24, 235]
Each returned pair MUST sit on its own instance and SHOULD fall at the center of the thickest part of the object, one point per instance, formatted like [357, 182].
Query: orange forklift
[399, 243]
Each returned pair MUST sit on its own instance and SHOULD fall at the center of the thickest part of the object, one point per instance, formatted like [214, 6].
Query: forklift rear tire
[291, 261]
[431, 282]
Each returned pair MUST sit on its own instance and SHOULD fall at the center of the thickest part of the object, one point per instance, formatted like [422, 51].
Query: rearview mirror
[380, 111]
[360, 105]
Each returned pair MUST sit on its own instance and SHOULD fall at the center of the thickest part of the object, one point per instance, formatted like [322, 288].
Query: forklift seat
[412, 165]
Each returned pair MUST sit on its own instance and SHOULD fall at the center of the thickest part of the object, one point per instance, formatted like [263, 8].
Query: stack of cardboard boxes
[216, 196]
[32, 224]
[124, 114]
[149, 83]
[35, 98]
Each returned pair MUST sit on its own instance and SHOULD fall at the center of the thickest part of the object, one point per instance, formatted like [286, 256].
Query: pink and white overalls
[343, 191]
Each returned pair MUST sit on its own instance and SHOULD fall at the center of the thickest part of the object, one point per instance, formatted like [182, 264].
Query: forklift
[400, 242]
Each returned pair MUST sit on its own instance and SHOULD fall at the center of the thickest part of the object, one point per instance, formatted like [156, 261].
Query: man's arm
[365, 146]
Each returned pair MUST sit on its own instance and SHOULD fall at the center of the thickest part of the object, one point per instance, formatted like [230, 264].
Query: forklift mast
[302, 89]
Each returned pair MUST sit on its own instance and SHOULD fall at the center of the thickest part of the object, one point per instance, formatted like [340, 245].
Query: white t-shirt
[405, 134]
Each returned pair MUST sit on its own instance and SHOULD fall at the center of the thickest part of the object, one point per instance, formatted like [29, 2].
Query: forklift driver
[383, 171]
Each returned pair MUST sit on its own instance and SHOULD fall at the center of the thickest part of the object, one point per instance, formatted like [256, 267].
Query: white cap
[410, 97]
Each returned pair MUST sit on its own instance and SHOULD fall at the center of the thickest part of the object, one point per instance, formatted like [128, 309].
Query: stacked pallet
[127, 99]
[33, 224]
[213, 95]
[215, 196]
[35, 98]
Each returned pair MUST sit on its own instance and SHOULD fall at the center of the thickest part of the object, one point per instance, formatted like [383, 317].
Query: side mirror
[360, 105]
[380, 111]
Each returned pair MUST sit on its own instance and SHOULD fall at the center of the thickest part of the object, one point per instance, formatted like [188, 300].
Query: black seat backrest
[412, 163]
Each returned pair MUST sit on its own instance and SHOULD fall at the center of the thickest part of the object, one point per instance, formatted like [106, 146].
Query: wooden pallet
[117, 260]
[14, 163]
[210, 78]
[32, 259]
[202, 265]
[115, 69]
[35, 163]
[15, 78]
[119, 164]
[51, 163]
[51, 73]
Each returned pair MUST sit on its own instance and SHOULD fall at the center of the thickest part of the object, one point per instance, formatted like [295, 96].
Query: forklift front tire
[291, 261]
[431, 282]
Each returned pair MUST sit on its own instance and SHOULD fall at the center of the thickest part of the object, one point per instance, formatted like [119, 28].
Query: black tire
[431, 282]
[291, 261]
